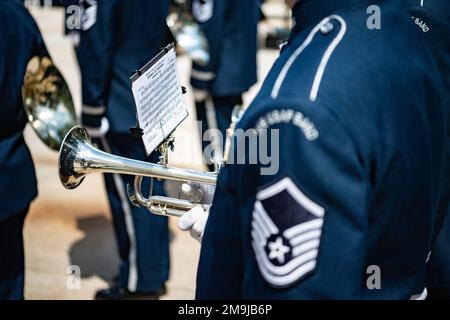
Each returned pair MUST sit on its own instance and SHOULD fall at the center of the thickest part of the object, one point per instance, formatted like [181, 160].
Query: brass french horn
[48, 102]
[187, 33]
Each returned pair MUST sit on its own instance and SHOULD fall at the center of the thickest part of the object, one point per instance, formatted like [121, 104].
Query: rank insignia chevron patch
[89, 13]
[286, 232]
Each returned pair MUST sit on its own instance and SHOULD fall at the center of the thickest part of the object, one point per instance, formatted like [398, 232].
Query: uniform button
[326, 28]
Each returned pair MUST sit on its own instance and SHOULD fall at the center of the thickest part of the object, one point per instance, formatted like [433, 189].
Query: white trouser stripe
[132, 257]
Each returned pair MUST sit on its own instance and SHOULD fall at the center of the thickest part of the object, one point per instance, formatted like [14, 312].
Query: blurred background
[66, 228]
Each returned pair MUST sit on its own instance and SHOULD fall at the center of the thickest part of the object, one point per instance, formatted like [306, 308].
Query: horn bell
[189, 36]
[47, 101]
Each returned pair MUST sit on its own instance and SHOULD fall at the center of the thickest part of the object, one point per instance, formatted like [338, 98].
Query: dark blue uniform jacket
[20, 40]
[432, 19]
[349, 214]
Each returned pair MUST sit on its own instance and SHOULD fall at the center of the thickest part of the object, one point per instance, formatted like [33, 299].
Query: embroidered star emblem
[278, 250]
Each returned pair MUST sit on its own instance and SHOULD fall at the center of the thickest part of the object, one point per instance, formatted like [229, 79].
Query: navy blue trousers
[12, 266]
[215, 113]
[142, 238]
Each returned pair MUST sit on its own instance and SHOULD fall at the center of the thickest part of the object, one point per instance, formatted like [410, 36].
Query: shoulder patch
[286, 231]
[89, 14]
[202, 10]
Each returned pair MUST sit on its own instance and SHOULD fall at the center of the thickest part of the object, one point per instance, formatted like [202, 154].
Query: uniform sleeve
[220, 268]
[432, 21]
[300, 228]
[96, 52]
[210, 15]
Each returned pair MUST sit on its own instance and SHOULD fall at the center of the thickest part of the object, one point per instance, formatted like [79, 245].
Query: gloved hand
[194, 221]
[96, 129]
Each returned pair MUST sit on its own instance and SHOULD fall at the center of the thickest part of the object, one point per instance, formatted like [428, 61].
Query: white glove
[99, 132]
[199, 193]
[194, 221]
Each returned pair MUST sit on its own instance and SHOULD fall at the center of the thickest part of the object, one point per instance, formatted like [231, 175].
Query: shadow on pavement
[96, 253]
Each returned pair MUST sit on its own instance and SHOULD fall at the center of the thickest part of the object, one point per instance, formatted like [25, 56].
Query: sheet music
[159, 99]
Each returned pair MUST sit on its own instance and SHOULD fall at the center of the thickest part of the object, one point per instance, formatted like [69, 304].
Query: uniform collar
[309, 12]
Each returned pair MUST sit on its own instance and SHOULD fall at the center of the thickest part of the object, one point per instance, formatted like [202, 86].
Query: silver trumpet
[47, 101]
[78, 158]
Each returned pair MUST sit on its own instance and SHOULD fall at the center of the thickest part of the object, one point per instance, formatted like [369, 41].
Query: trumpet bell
[74, 146]
[48, 102]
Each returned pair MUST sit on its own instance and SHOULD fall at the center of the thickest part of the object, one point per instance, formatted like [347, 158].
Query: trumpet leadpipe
[78, 157]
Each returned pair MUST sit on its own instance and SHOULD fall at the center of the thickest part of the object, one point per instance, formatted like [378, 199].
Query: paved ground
[67, 228]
